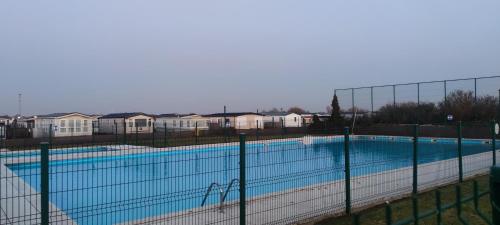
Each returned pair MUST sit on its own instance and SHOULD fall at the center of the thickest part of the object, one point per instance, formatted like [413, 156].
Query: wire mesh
[294, 180]
[373, 99]
[167, 176]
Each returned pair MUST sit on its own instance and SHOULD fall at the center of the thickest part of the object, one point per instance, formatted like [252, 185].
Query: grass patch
[402, 209]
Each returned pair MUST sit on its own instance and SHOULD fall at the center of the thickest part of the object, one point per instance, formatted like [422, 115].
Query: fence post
[388, 213]
[116, 132]
[196, 131]
[153, 134]
[225, 125]
[445, 91]
[371, 99]
[415, 159]
[356, 220]
[495, 193]
[459, 144]
[438, 208]
[44, 182]
[352, 102]
[136, 135]
[50, 134]
[493, 142]
[257, 132]
[93, 138]
[415, 175]
[165, 134]
[124, 132]
[242, 180]
[475, 90]
[282, 128]
[458, 205]
[394, 95]
[347, 172]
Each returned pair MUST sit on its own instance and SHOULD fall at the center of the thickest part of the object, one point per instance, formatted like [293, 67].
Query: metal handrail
[221, 193]
[227, 190]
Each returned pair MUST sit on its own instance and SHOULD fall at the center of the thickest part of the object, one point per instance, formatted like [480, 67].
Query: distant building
[282, 119]
[239, 120]
[348, 115]
[5, 120]
[60, 125]
[308, 117]
[126, 122]
[182, 121]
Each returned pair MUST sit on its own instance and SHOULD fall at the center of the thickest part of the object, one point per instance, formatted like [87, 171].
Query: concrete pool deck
[21, 204]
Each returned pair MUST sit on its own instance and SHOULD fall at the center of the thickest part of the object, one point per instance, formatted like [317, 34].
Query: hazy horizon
[197, 56]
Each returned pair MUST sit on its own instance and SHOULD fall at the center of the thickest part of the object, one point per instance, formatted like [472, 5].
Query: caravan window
[78, 126]
[62, 124]
[71, 125]
[140, 122]
[85, 126]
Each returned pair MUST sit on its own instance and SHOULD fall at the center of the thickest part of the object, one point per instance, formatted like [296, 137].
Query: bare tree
[297, 110]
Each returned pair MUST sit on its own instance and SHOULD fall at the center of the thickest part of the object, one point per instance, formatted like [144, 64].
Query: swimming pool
[115, 189]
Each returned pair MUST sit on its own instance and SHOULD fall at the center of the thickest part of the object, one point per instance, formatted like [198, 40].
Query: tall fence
[371, 99]
[236, 179]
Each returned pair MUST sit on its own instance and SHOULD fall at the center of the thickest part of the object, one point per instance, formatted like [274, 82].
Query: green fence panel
[242, 182]
[44, 183]
[347, 172]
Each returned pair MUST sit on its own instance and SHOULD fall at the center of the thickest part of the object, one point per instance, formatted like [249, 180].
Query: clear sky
[161, 56]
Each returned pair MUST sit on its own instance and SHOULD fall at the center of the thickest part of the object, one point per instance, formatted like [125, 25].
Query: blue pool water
[108, 190]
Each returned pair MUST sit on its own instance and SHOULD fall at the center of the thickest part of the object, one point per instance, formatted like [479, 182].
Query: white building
[182, 122]
[240, 120]
[282, 119]
[60, 124]
[128, 122]
[5, 120]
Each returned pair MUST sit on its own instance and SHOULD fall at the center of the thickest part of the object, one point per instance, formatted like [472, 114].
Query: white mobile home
[182, 122]
[282, 119]
[60, 125]
[126, 122]
[5, 120]
[240, 120]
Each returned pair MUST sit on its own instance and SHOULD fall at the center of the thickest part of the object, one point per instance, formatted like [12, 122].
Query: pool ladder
[222, 193]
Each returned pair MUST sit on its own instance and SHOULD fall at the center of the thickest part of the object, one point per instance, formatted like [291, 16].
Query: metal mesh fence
[370, 100]
[292, 180]
[163, 176]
